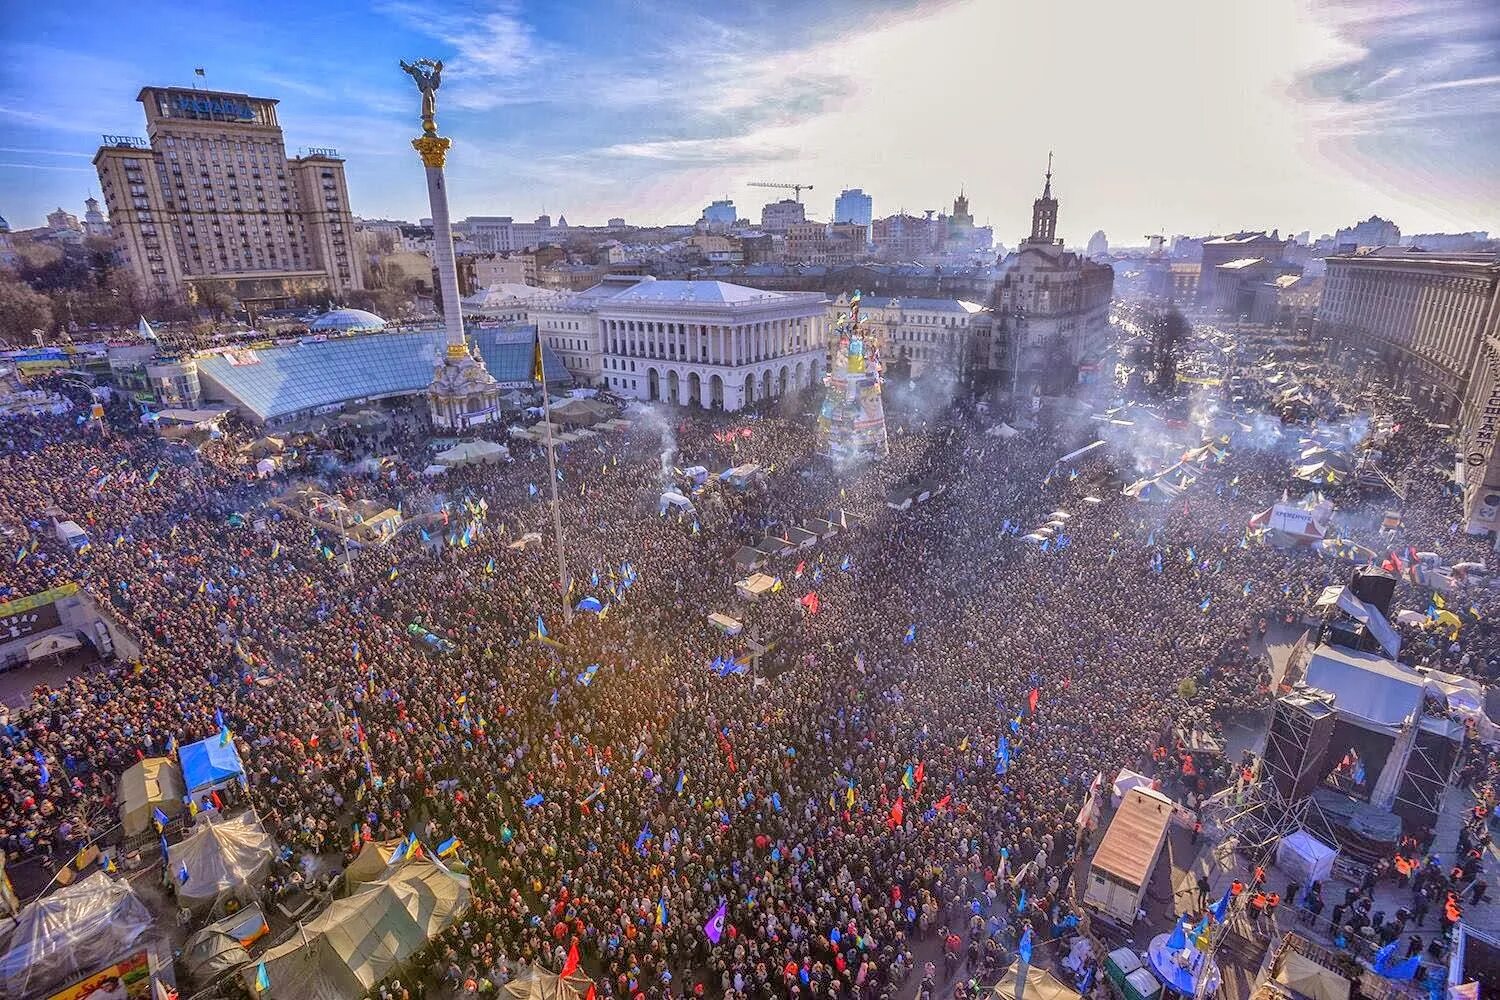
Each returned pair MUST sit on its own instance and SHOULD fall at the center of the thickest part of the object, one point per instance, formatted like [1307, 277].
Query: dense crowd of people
[887, 790]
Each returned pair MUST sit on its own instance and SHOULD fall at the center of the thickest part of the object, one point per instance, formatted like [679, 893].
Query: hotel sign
[215, 107]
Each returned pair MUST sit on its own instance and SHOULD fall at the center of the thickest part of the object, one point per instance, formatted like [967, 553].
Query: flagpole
[562, 559]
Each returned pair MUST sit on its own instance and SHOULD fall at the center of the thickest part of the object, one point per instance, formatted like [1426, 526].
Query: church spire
[1044, 212]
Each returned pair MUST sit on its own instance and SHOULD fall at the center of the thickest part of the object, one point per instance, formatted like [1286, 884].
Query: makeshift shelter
[724, 623]
[580, 412]
[1002, 430]
[147, 785]
[741, 476]
[537, 983]
[753, 586]
[209, 764]
[359, 940]
[221, 945]
[1305, 977]
[1153, 490]
[371, 863]
[472, 453]
[1040, 985]
[1305, 858]
[222, 858]
[76, 931]
[748, 558]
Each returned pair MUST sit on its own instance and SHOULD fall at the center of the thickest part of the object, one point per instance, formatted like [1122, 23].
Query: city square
[855, 609]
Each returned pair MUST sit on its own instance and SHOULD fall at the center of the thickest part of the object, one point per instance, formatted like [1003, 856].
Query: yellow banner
[21, 605]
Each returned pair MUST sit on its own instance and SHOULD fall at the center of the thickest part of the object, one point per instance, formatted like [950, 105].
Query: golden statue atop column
[463, 392]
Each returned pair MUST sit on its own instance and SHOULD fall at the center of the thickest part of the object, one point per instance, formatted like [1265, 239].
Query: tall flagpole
[562, 559]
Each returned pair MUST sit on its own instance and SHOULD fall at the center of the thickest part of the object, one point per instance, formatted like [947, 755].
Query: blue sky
[1172, 115]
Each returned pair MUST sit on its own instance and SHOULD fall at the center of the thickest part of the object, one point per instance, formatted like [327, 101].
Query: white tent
[222, 857]
[472, 452]
[1305, 858]
[69, 934]
[1124, 782]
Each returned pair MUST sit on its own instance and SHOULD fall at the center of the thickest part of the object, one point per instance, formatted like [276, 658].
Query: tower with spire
[1044, 213]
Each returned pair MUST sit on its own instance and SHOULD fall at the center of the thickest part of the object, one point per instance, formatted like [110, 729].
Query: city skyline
[1318, 116]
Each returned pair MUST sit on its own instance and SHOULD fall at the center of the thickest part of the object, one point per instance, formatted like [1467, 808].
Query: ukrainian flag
[537, 375]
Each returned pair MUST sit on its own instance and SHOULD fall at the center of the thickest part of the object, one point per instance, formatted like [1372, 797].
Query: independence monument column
[463, 392]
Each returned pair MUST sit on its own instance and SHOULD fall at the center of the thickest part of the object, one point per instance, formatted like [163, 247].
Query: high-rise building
[779, 216]
[719, 213]
[210, 195]
[962, 235]
[1373, 232]
[1098, 245]
[854, 206]
[903, 237]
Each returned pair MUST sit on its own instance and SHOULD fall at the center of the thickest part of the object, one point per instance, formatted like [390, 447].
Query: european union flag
[911, 634]
[534, 801]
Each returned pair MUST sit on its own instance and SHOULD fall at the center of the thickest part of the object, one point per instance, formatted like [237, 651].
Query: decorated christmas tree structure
[851, 425]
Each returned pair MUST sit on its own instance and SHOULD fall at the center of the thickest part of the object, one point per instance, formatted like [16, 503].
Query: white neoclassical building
[709, 343]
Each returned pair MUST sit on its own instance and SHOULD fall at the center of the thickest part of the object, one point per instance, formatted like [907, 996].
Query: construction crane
[796, 189]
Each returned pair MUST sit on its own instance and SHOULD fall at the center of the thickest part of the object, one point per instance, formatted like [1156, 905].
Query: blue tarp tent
[209, 763]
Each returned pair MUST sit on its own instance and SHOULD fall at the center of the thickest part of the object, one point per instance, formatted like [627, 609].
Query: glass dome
[347, 321]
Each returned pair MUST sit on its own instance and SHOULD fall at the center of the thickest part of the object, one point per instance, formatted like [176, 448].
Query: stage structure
[851, 425]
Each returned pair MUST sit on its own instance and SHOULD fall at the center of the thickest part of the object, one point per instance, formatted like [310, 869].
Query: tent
[539, 984]
[580, 412]
[148, 784]
[209, 763]
[1305, 858]
[223, 857]
[1304, 977]
[357, 941]
[71, 933]
[1124, 782]
[472, 453]
[1040, 985]
[220, 946]
[1002, 430]
[748, 558]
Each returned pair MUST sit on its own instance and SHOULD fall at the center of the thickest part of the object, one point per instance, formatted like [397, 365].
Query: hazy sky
[1179, 116]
